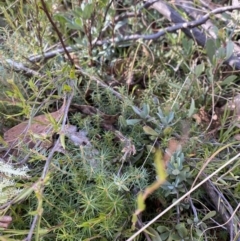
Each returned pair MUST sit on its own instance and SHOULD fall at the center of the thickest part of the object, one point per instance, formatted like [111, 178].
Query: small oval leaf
[148, 130]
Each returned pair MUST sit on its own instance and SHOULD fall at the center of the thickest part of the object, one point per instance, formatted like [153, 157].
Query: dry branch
[19, 67]
[194, 33]
[189, 28]
[49, 159]
[224, 209]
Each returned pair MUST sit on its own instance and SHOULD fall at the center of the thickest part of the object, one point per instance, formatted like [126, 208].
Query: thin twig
[127, 15]
[98, 81]
[49, 159]
[222, 206]
[103, 22]
[182, 24]
[140, 225]
[19, 67]
[57, 31]
[195, 33]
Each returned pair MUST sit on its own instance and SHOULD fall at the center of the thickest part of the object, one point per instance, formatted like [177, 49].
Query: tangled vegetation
[117, 125]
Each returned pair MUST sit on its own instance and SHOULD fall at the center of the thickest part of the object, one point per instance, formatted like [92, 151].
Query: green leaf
[62, 141]
[228, 80]
[2, 142]
[189, 221]
[72, 74]
[160, 113]
[73, 26]
[170, 117]
[134, 219]
[195, 220]
[192, 108]
[198, 232]
[160, 166]
[132, 122]
[154, 234]
[125, 188]
[165, 235]
[87, 11]
[182, 231]
[120, 24]
[146, 110]
[23, 195]
[199, 69]
[148, 130]
[150, 148]
[175, 172]
[221, 53]
[162, 229]
[60, 18]
[187, 45]
[175, 236]
[77, 12]
[211, 49]
[140, 202]
[122, 121]
[136, 110]
[229, 49]
[209, 215]
[168, 131]
[79, 23]
[67, 88]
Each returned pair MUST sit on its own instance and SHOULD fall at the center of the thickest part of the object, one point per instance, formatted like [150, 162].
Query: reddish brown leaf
[40, 126]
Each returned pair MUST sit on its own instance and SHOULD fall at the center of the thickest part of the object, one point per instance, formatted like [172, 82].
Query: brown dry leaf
[237, 137]
[86, 109]
[173, 146]
[201, 116]
[234, 107]
[5, 221]
[40, 127]
[197, 118]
